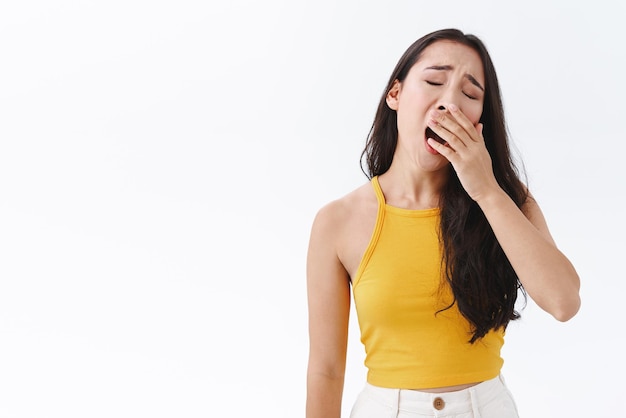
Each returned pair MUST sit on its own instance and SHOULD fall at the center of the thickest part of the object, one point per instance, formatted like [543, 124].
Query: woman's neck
[413, 190]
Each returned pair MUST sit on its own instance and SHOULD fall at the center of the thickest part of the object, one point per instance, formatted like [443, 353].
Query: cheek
[413, 100]
[414, 95]
[474, 112]
[411, 106]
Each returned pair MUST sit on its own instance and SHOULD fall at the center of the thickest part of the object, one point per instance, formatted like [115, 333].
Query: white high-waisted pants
[489, 399]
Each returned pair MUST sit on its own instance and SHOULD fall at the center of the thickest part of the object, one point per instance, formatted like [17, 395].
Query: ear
[392, 95]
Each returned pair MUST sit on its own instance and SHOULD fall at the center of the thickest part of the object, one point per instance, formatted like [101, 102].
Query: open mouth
[431, 134]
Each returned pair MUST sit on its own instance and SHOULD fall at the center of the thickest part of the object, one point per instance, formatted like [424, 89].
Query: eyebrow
[450, 68]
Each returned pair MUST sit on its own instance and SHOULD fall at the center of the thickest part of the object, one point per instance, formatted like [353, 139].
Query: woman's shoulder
[342, 210]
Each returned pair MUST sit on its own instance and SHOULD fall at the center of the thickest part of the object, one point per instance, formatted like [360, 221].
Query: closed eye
[432, 83]
[470, 96]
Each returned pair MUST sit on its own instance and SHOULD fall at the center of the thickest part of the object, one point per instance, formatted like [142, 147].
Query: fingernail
[453, 107]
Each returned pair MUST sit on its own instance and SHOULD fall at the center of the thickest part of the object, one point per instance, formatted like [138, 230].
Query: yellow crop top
[397, 290]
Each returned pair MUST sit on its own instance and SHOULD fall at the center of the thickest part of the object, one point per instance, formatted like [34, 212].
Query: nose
[451, 94]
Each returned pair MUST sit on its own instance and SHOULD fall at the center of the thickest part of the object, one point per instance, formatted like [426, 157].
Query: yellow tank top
[397, 290]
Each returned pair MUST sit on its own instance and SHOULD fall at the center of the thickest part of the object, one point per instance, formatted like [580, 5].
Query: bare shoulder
[342, 211]
[344, 226]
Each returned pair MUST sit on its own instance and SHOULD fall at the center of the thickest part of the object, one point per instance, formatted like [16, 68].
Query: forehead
[449, 53]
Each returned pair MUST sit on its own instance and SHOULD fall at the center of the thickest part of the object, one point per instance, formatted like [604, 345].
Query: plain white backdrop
[161, 163]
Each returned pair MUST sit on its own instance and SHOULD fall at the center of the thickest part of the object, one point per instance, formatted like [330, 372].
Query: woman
[435, 247]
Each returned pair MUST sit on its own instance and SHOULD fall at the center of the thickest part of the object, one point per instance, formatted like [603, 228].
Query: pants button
[439, 404]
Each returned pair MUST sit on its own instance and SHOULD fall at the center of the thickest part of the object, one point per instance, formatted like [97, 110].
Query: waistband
[456, 402]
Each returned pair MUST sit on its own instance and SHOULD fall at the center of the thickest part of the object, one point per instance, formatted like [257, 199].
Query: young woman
[435, 247]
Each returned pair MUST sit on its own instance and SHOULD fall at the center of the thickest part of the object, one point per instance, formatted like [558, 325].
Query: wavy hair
[483, 282]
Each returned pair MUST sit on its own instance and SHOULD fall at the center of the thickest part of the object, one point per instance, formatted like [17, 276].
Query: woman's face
[446, 73]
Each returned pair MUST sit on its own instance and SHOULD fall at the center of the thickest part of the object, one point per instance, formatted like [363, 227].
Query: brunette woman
[435, 248]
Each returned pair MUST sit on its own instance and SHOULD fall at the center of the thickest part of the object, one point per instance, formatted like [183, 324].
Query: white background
[161, 163]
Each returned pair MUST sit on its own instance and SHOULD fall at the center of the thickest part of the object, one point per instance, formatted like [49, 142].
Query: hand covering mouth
[431, 134]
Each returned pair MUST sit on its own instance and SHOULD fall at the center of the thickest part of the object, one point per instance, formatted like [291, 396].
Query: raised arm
[328, 291]
[546, 274]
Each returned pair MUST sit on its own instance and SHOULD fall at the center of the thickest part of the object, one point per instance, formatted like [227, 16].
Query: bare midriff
[448, 388]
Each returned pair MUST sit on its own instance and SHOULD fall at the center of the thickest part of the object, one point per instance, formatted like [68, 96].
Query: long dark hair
[483, 282]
